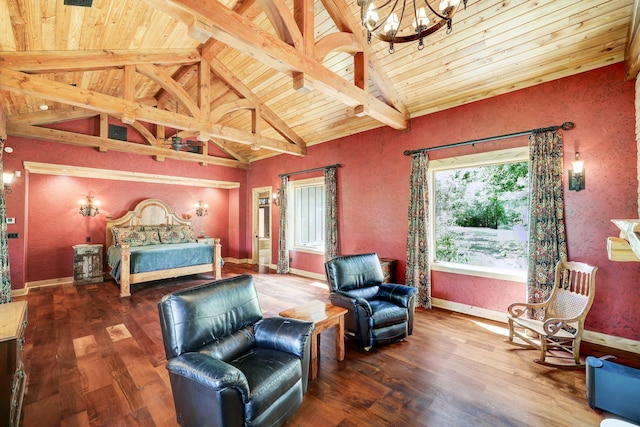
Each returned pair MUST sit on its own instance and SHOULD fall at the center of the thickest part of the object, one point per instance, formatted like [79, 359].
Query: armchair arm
[517, 309]
[349, 302]
[209, 372]
[283, 334]
[398, 294]
[553, 325]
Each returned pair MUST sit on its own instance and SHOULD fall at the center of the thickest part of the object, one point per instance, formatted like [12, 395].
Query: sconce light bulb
[577, 166]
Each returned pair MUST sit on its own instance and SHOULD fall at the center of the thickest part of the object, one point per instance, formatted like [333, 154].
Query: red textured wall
[374, 179]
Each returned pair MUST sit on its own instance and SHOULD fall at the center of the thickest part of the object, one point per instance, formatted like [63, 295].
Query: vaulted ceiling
[254, 78]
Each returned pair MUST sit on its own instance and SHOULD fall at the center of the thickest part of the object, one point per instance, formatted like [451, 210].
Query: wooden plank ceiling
[254, 78]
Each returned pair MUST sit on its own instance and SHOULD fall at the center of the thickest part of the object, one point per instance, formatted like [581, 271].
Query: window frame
[510, 155]
[292, 213]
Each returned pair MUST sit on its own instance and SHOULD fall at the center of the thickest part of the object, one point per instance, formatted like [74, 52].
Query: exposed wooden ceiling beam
[106, 144]
[16, 81]
[170, 85]
[267, 114]
[211, 47]
[51, 116]
[282, 21]
[345, 22]
[85, 60]
[239, 33]
[632, 54]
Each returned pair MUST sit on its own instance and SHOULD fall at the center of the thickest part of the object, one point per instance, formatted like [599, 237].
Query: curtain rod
[337, 165]
[564, 126]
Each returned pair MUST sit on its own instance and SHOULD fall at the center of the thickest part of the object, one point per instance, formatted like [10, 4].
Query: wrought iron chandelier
[393, 28]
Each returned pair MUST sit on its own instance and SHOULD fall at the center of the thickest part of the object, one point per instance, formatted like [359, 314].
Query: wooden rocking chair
[558, 332]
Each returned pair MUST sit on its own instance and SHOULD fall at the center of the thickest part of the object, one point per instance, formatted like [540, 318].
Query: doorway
[262, 215]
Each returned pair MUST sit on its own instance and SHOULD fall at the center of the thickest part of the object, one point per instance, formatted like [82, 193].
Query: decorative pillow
[156, 228]
[138, 238]
[188, 231]
[123, 234]
[173, 236]
[133, 236]
[153, 237]
[120, 234]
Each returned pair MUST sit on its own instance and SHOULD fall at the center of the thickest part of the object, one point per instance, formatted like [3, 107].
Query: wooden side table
[389, 269]
[323, 316]
[206, 240]
[87, 264]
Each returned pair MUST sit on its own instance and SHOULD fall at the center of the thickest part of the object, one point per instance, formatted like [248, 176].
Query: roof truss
[292, 50]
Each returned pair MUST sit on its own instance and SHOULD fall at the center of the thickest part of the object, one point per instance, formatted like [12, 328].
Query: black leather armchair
[227, 364]
[379, 313]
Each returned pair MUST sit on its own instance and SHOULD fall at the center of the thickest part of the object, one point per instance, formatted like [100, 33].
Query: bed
[151, 243]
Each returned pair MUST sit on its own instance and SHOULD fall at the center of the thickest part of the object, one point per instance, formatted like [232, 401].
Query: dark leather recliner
[379, 313]
[227, 364]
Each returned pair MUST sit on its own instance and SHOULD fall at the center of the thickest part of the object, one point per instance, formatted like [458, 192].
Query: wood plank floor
[94, 359]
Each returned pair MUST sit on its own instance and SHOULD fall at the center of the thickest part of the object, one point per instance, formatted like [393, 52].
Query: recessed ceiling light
[8, 149]
[44, 107]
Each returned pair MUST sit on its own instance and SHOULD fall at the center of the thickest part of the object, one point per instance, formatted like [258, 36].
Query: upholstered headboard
[147, 212]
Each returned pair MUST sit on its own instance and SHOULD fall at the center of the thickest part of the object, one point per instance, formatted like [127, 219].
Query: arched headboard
[147, 212]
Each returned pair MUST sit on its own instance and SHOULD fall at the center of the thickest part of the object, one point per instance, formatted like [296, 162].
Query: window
[306, 219]
[480, 214]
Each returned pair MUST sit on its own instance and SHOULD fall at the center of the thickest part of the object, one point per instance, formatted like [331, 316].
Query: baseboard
[49, 282]
[303, 273]
[308, 274]
[470, 310]
[238, 260]
[599, 338]
[19, 292]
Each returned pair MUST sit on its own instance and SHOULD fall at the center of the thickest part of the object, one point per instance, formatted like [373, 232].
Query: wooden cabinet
[13, 321]
[389, 269]
[87, 264]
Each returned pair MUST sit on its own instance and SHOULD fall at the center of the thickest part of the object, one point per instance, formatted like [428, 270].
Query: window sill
[307, 250]
[477, 271]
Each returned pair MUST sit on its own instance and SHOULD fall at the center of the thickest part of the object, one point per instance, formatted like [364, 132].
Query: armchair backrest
[206, 315]
[350, 272]
[573, 292]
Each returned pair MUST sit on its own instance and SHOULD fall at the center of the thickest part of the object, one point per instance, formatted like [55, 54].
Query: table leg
[314, 355]
[340, 338]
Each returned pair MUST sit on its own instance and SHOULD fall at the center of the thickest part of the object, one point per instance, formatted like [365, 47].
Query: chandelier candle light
[392, 28]
[89, 206]
[202, 209]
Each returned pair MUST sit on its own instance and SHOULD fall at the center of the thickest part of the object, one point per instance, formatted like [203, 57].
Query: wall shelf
[626, 247]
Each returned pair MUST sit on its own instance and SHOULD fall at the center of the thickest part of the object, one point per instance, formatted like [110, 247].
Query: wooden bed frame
[155, 212]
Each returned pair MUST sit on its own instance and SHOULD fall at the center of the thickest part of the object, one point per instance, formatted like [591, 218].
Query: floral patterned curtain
[330, 213]
[5, 273]
[283, 252]
[547, 241]
[418, 271]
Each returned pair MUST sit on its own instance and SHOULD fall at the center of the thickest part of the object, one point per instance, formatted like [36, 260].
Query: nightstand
[206, 240]
[87, 264]
[389, 269]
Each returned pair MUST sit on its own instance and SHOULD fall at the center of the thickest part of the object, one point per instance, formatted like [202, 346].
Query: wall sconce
[6, 181]
[202, 208]
[276, 198]
[89, 206]
[576, 174]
